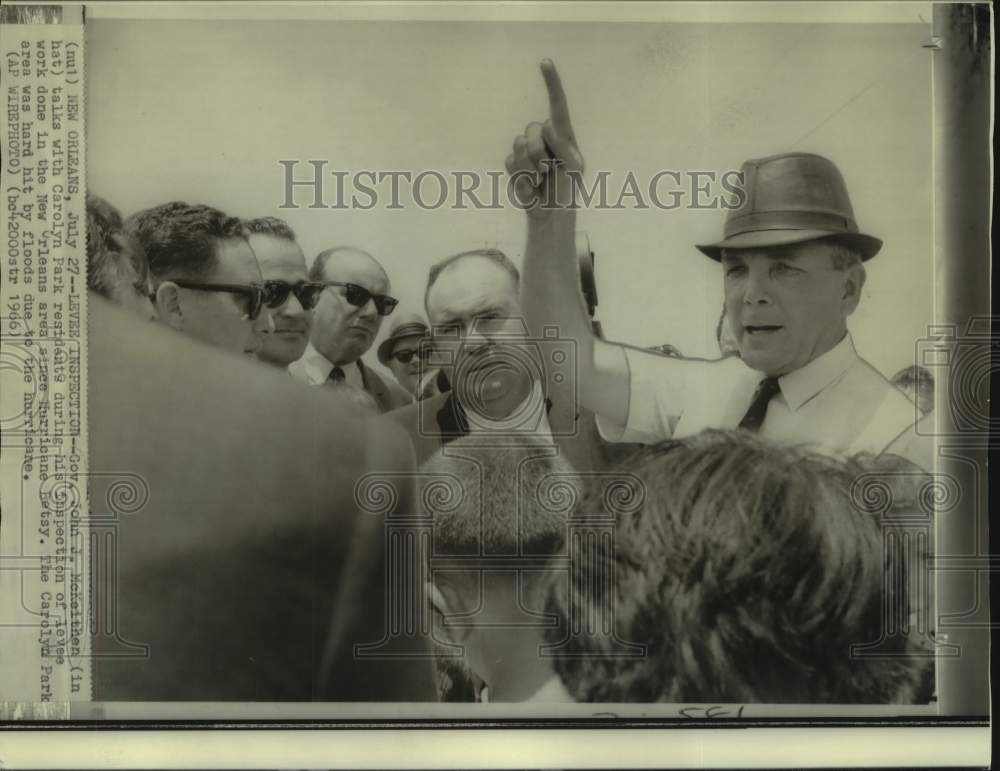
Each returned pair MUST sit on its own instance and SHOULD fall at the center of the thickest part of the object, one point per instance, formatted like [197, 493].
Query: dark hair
[269, 226]
[105, 242]
[748, 572]
[180, 239]
[915, 377]
[494, 255]
[501, 499]
[918, 384]
[318, 268]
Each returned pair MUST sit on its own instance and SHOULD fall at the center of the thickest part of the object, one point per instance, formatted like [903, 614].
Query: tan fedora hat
[404, 325]
[791, 198]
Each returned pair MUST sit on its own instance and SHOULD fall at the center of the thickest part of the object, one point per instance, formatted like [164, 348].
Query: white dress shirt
[314, 368]
[838, 403]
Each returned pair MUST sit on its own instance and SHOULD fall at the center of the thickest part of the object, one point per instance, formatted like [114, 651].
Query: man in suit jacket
[239, 569]
[345, 324]
[497, 380]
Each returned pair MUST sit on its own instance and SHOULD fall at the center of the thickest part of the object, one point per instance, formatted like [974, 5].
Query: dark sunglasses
[405, 357]
[359, 296]
[253, 294]
[306, 292]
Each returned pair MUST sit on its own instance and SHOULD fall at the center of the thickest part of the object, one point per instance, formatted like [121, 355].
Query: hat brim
[866, 246]
[385, 348]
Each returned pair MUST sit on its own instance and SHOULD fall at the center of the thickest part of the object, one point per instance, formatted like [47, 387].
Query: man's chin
[769, 366]
[281, 355]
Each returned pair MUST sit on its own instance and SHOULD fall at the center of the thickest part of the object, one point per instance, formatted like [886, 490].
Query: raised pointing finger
[558, 108]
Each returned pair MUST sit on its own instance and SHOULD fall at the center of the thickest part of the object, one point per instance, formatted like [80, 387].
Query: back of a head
[115, 262]
[748, 574]
[180, 239]
[498, 498]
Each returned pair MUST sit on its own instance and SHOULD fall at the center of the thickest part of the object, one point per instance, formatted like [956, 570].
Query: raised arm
[546, 166]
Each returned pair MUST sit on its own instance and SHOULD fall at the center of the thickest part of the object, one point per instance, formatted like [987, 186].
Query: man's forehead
[236, 261]
[356, 268]
[278, 255]
[471, 285]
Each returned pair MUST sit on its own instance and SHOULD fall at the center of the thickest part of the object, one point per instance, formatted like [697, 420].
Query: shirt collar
[803, 384]
[318, 368]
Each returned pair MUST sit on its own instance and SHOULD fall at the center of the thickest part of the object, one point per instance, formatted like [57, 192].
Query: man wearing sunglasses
[402, 352]
[353, 301]
[206, 282]
[291, 296]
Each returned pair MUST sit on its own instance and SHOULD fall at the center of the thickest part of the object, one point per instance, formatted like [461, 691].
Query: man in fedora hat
[793, 269]
[401, 352]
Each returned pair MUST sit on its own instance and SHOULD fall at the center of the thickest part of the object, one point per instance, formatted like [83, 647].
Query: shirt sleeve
[659, 387]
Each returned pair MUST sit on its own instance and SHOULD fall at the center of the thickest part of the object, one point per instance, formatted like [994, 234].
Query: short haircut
[494, 255]
[748, 572]
[105, 236]
[180, 240]
[269, 226]
[842, 256]
[497, 500]
[318, 270]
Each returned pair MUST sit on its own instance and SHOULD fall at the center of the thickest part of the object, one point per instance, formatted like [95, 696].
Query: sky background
[204, 110]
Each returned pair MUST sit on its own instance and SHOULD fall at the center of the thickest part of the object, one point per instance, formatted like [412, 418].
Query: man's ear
[168, 305]
[447, 602]
[853, 285]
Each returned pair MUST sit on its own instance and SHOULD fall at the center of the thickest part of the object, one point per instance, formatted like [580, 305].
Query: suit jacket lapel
[374, 385]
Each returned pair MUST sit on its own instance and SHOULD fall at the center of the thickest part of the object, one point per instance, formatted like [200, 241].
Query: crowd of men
[743, 567]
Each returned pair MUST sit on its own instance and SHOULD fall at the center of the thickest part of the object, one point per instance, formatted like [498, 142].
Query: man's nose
[368, 310]
[475, 339]
[292, 307]
[757, 288]
[264, 323]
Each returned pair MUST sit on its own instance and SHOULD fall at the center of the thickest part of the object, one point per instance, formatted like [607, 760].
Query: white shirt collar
[800, 386]
[528, 417]
[318, 368]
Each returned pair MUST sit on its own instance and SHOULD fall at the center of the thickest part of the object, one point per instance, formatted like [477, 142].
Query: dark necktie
[337, 375]
[758, 407]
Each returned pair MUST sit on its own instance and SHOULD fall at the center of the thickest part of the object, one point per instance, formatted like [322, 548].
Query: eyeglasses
[253, 294]
[359, 296]
[405, 357]
[306, 292]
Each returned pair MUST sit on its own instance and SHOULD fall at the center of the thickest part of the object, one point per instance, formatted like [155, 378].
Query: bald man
[345, 323]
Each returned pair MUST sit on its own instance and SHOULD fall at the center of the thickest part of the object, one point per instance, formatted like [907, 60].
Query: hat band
[789, 220]
[408, 330]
